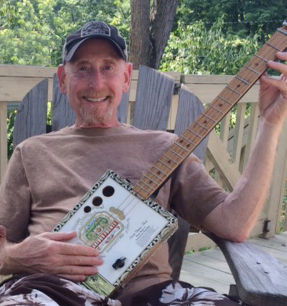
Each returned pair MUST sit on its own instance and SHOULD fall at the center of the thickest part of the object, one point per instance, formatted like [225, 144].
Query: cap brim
[71, 53]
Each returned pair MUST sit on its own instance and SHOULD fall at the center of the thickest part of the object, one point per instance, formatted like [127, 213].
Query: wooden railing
[226, 155]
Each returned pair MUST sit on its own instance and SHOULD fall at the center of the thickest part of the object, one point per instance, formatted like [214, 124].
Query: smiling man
[94, 80]
[48, 174]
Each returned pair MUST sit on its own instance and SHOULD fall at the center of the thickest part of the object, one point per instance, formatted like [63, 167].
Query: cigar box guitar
[123, 221]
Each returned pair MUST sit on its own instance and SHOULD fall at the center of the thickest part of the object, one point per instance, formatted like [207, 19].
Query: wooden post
[238, 135]
[277, 190]
[3, 138]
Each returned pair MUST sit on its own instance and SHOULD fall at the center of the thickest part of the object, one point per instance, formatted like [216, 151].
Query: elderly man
[48, 174]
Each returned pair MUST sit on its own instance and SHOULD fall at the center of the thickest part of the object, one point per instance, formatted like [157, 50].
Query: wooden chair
[260, 279]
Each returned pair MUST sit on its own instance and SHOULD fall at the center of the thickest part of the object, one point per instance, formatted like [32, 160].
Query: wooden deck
[209, 268]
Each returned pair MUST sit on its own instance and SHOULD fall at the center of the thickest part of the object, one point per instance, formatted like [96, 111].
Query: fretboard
[158, 174]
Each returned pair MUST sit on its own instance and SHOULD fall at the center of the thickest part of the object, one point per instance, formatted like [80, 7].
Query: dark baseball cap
[94, 29]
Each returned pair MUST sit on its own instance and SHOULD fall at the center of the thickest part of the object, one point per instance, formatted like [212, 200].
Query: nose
[96, 80]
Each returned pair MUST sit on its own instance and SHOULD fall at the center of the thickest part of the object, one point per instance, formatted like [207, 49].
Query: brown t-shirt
[48, 174]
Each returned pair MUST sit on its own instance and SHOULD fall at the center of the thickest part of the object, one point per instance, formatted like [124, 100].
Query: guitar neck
[154, 178]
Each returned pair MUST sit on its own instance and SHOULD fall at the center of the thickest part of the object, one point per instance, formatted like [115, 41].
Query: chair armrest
[260, 278]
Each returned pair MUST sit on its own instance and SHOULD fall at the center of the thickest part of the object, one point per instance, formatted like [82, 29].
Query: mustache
[95, 94]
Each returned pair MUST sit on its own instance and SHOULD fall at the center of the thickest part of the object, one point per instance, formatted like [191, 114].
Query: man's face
[94, 82]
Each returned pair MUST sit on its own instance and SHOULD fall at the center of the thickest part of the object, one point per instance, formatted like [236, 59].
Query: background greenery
[208, 36]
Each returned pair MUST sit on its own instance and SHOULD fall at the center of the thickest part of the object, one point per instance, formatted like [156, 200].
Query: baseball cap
[94, 29]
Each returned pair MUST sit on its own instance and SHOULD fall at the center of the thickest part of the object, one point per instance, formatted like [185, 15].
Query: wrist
[7, 259]
[271, 129]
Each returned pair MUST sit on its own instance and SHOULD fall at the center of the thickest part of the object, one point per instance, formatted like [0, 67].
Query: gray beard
[94, 117]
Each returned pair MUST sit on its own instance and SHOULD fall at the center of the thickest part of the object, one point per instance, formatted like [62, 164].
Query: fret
[282, 31]
[181, 146]
[216, 109]
[170, 158]
[172, 151]
[191, 131]
[154, 175]
[151, 181]
[249, 68]
[242, 80]
[228, 102]
[262, 58]
[204, 127]
[203, 114]
[165, 164]
[233, 90]
[270, 45]
[189, 140]
[154, 166]
[142, 188]
[142, 181]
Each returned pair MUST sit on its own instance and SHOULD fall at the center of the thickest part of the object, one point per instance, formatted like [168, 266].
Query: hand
[51, 253]
[273, 93]
[2, 243]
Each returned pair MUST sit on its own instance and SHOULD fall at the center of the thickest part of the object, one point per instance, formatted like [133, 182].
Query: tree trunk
[150, 28]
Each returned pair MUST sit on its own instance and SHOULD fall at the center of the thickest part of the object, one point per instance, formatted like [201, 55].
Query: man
[48, 174]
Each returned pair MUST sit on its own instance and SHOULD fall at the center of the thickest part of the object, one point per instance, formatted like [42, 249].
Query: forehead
[96, 47]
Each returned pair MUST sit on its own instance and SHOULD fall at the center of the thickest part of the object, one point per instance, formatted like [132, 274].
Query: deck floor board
[209, 268]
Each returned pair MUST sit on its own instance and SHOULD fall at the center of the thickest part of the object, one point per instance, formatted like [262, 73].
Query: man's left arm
[235, 217]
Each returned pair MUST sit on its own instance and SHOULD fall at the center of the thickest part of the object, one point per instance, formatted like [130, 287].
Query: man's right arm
[48, 253]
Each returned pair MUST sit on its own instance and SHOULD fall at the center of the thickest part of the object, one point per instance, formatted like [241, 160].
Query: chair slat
[62, 113]
[189, 108]
[154, 92]
[31, 116]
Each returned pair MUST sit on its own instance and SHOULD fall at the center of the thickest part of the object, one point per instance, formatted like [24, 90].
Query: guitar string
[242, 79]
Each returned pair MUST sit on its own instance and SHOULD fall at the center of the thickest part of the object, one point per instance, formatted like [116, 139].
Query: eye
[83, 68]
[107, 68]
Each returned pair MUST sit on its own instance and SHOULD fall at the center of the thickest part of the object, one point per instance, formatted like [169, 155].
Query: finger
[76, 249]
[282, 56]
[282, 68]
[277, 83]
[74, 270]
[81, 260]
[60, 236]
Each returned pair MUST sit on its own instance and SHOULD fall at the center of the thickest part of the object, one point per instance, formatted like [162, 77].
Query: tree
[241, 17]
[150, 28]
[193, 49]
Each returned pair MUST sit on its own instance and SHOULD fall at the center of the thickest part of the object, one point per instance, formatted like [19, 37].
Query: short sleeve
[194, 194]
[15, 199]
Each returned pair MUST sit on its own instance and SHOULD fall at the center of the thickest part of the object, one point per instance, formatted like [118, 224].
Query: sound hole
[97, 201]
[108, 191]
[87, 209]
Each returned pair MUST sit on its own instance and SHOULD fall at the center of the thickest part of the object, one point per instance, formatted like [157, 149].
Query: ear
[61, 76]
[127, 77]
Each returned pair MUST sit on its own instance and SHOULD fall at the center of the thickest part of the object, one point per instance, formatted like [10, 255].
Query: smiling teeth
[96, 100]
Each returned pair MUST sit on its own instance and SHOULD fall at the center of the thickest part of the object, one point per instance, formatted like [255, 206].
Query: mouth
[96, 100]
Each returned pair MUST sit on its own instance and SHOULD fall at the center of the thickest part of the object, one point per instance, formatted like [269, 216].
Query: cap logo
[95, 27]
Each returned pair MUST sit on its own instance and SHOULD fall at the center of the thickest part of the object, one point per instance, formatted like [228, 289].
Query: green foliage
[241, 17]
[32, 32]
[193, 49]
[26, 37]
[11, 114]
